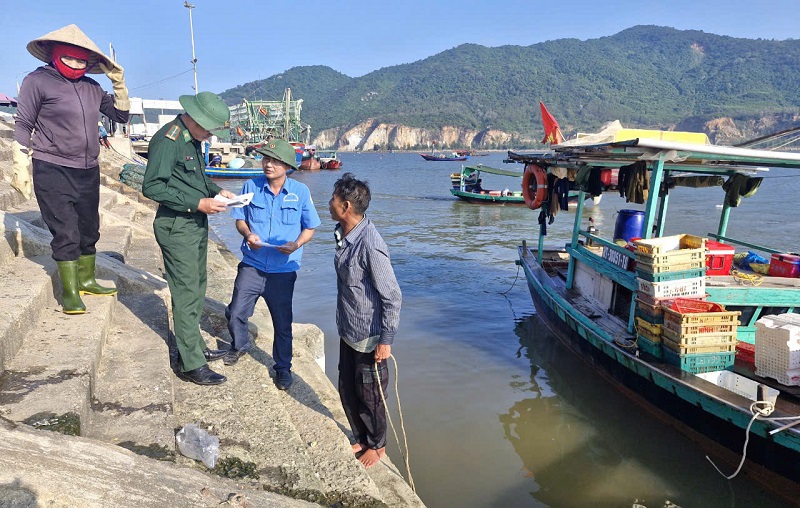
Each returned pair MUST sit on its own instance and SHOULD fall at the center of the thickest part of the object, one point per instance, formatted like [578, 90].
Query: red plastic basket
[690, 305]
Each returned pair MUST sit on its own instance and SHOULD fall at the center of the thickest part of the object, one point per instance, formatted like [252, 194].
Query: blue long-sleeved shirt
[369, 296]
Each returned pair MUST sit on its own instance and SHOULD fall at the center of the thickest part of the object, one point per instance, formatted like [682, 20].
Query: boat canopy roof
[676, 156]
[468, 170]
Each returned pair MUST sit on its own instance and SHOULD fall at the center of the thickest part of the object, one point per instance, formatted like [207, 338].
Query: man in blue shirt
[279, 219]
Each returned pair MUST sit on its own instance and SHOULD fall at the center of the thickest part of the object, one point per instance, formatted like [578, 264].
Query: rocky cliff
[371, 134]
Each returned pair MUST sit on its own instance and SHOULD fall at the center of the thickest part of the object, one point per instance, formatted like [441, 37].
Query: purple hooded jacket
[62, 114]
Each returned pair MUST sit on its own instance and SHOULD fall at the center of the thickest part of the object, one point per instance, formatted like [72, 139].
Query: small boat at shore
[665, 318]
[467, 185]
[444, 157]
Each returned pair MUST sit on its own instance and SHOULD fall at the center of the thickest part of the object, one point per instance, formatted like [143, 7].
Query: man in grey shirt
[367, 315]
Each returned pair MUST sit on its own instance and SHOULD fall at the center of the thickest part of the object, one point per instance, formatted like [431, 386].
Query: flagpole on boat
[191, 31]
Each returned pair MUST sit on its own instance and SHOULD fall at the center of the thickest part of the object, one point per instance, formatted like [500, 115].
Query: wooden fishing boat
[444, 157]
[466, 185]
[622, 321]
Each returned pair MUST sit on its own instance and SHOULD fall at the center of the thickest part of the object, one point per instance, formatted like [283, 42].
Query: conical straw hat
[42, 47]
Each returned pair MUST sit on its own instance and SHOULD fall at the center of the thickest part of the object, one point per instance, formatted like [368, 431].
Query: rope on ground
[400, 412]
[747, 278]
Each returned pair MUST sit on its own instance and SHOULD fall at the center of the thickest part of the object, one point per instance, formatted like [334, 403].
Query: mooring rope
[400, 412]
[759, 413]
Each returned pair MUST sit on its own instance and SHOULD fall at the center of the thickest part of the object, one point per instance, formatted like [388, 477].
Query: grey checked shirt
[369, 297]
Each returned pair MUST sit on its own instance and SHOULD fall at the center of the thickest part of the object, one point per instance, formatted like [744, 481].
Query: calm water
[497, 412]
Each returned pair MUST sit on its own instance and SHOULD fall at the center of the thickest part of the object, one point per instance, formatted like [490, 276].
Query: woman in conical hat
[57, 115]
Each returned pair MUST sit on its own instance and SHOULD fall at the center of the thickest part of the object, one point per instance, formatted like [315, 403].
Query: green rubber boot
[71, 298]
[87, 285]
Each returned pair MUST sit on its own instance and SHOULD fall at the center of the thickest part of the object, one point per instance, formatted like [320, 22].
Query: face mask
[60, 50]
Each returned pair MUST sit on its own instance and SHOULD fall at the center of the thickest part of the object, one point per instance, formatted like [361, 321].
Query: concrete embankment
[105, 378]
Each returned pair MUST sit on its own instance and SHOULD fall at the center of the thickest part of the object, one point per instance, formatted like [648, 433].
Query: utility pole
[191, 30]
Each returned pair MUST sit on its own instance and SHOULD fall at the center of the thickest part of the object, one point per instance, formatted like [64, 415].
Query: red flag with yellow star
[552, 132]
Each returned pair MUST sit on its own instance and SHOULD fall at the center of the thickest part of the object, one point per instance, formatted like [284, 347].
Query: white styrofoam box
[739, 384]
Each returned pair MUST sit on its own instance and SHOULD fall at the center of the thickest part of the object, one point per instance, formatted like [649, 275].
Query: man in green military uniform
[176, 179]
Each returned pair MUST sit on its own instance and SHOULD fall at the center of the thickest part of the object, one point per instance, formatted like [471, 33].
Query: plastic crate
[778, 348]
[671, 267]
[670, 243]
[651, 310]
[695, 305]
[699, 339]
[665, 276]
[643, 311]
[651, 328]
[701, 318]
[654, 262]
[701, 323]
[699, 363]
[649, 347]
[652, 337]
[729, 347]
[672, 289]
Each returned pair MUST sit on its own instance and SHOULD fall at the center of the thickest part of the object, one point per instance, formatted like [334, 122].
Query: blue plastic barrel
[629, 225]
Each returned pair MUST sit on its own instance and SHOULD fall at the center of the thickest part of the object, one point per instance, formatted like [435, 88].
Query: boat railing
[605, 243]
[726, 239]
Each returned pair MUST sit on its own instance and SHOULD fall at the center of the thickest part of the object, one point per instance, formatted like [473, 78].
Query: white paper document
[263, 244]
[236, 201]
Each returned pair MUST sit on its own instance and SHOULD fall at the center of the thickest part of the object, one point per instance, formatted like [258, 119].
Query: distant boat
[329, 160]
[233, 173]
[472, 153]
[466, 185]
[444, 157]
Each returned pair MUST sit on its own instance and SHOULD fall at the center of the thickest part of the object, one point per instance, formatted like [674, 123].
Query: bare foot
[358, 448]
[371, 457]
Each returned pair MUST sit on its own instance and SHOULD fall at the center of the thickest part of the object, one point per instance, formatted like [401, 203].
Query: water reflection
[584, 443]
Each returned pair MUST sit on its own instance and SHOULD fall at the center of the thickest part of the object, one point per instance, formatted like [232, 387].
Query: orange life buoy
[534, 186]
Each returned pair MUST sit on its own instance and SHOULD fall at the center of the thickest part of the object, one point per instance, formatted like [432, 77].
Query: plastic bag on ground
[198, 444]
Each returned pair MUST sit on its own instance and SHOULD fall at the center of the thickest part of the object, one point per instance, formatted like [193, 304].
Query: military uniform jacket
[175, 176]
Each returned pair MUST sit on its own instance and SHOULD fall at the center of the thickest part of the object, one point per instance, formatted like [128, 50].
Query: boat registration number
[616, 258]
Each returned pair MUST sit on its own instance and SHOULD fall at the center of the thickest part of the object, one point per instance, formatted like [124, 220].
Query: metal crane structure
[257, 121]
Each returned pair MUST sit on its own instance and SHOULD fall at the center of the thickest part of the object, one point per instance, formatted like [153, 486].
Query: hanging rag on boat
[740, 186]
[634, 182]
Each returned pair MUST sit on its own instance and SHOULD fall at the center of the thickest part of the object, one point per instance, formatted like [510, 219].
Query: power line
[162, 80]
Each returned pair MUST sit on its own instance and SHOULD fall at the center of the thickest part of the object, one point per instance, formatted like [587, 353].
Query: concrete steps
[110, 366]
[132, 400]
[55, 367]
[26, 288]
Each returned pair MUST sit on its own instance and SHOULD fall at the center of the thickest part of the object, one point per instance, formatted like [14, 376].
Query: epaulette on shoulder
[173, 133]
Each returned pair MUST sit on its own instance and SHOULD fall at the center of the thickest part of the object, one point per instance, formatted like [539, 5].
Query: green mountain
[645, 76]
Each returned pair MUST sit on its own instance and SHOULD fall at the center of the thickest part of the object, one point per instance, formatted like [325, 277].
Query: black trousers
[360, 395]
[69, 199]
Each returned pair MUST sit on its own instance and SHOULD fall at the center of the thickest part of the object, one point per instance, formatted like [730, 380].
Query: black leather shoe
[283, 379]
[232, 356]
[214, 354]
[203, 376]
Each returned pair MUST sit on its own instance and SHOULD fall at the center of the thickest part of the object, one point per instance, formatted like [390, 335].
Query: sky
[237, 42]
